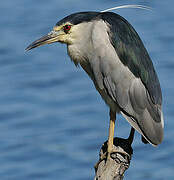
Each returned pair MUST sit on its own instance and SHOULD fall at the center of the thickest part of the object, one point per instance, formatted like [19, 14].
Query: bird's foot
[111, 155]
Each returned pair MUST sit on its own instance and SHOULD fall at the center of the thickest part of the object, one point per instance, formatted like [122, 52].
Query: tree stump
[114, 167]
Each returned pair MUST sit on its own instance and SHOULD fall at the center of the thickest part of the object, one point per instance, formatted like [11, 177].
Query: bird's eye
[67, 28]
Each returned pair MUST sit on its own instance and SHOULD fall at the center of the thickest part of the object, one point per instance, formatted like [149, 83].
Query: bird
[111, 52]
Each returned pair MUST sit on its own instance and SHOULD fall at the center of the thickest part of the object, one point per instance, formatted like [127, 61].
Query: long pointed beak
[47, 39]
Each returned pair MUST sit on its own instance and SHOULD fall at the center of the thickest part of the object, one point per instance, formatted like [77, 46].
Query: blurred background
[52, 120]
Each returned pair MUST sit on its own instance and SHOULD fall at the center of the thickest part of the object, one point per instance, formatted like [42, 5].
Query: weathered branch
[113, 168]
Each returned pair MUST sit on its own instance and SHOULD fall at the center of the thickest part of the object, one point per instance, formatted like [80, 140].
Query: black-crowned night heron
[110, 51]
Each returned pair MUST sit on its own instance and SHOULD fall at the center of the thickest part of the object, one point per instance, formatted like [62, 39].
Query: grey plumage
[142, 99]
[113, 55]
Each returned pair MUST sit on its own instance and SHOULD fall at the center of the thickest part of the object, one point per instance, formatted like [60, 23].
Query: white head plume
[128, 6]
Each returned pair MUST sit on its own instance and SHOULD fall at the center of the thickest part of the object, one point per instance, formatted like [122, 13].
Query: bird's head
[68, 30]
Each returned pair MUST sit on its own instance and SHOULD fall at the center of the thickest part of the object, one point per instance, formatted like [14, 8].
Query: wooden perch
[114, 167]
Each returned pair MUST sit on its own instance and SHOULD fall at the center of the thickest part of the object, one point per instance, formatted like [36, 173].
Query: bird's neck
[77, 52]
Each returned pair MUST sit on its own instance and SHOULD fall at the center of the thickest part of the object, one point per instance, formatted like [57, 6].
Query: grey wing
[133, 100]
[124, 70]
[133, 54]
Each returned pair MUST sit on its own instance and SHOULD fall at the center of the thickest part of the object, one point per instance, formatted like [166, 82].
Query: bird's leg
[111, 132]
[107, 154]
[131, 135]
[112, 147]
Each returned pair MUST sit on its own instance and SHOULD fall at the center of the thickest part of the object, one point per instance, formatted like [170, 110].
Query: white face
[63, 33]
[70, 34]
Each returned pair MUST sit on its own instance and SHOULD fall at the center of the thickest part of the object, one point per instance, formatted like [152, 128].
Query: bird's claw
[110, 155]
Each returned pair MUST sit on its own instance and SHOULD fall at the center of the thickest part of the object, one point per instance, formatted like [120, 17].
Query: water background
[52, 120]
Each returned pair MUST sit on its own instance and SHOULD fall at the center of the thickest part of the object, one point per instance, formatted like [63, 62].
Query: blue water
[52, 120]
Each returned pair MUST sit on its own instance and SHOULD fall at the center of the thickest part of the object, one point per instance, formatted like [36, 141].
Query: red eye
[67, 28]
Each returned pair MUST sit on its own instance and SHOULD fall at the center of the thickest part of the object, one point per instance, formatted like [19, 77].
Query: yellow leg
[111, 132]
